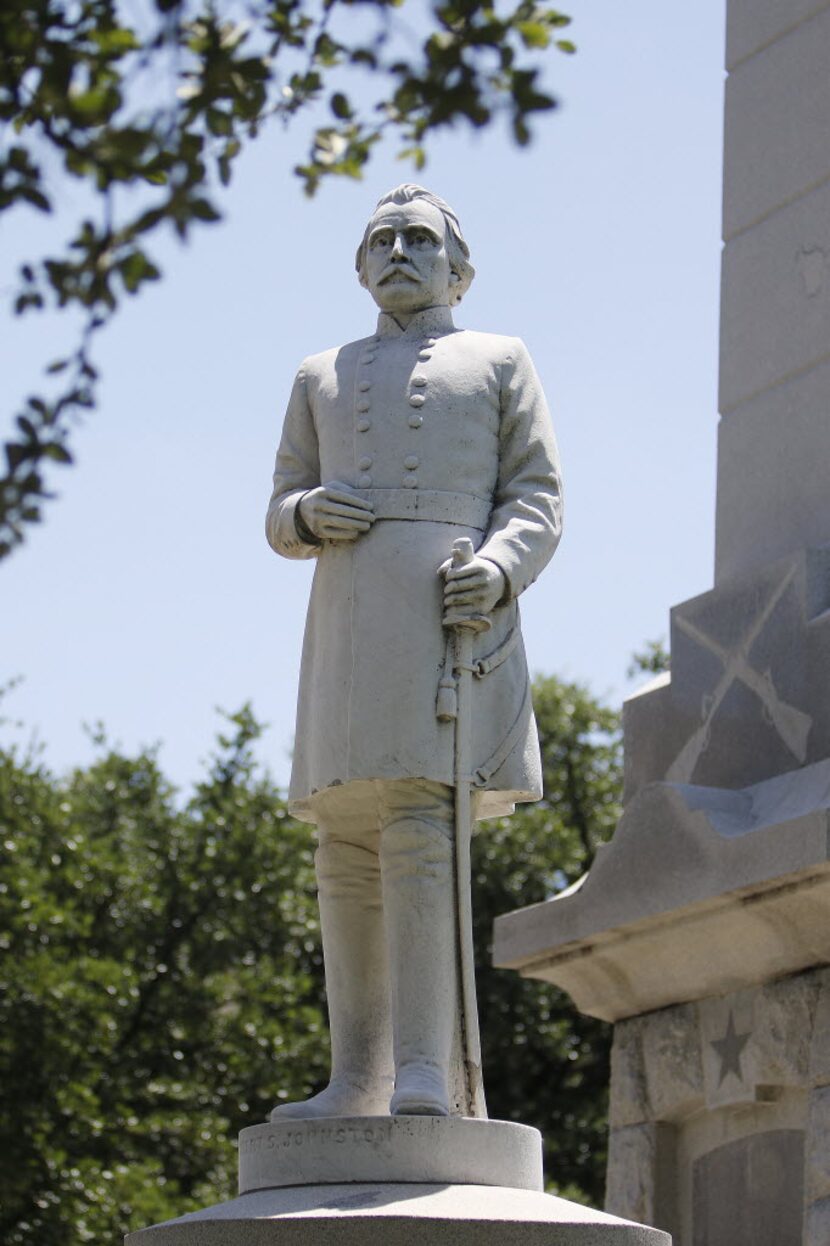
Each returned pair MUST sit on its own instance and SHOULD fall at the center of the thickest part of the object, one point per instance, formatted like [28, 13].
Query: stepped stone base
[452, 1150]
[374, 1214]
[394, 1181]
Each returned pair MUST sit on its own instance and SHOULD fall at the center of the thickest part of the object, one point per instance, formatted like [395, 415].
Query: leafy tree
[652, 659]
[161, 976]
[149, 107]
[544, 1063]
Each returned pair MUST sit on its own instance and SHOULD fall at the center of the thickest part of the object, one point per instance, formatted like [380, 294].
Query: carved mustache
[403, 270]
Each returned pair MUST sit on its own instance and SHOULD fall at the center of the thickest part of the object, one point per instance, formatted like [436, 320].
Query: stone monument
[418, 467]
[703, 929]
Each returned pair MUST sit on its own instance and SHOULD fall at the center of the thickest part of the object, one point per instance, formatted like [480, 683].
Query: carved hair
[458, 252]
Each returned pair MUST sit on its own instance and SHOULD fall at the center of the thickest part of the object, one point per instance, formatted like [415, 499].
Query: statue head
[413, 254]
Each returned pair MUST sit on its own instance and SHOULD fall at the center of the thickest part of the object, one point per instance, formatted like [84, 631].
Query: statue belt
[465, 510]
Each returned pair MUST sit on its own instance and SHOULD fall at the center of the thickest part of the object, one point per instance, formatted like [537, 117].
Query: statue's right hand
[334, 512]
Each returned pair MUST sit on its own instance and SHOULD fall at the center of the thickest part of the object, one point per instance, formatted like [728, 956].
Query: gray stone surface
[703, 929]
[775, 299]
[778, 437]
[750, 1192]
[628, 1102]
[752, 24]
[642, 1171]
[741, 699]
[748, 696]
[738, 893]
[672, 1059]
[776, 132]
[819, 1071]
[387, 1149]
[817, 1224]
[785, 1019]
[746, 1108]
[727, 1031]
[397, 1215]
[818, 1146]
[652, 732]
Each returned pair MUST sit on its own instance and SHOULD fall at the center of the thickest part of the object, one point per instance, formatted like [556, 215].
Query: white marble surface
[452, 1150]
[398, 1215]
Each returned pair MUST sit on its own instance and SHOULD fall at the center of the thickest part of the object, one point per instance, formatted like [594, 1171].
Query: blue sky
[149, 596]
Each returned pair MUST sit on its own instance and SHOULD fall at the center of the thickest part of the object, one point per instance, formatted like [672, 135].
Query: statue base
[374, 1214]
[394, 1181]
[451, 1150]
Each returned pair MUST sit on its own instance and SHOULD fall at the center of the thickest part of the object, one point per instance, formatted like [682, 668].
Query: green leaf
[203, 210]
[26, 426]
[36, 198]
[58, 453]
[115, 41]
[218, 122]
[533, 34]
[96, 104]
[135, 269]
[340, 106]
[16, 454]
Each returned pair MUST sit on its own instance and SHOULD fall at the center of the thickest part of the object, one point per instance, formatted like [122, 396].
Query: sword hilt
[463, 553]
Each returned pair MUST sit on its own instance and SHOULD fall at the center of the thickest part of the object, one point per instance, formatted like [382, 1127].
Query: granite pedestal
[394, 1181]
[703, 929]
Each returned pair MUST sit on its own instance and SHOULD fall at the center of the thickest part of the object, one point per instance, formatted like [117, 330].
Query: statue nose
[398, 251]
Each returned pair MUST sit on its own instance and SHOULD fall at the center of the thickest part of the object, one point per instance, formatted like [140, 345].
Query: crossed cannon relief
[791, 724]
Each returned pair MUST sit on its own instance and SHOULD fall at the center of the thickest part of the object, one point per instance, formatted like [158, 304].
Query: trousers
[385, 877]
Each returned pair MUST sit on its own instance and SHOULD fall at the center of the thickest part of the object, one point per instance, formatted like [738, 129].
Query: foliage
[652, 659]
[149, 106]
[161, 973]
[544, 1063]
[161, 976]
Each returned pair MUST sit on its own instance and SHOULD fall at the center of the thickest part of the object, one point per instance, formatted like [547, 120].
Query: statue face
[407, 267]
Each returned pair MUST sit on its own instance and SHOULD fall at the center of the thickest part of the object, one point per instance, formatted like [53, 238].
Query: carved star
[729, 1050]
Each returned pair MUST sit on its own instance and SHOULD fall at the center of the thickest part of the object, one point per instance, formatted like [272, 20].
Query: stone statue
[394, 448]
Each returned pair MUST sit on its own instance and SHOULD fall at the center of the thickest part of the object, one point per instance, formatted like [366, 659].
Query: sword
[462, 629]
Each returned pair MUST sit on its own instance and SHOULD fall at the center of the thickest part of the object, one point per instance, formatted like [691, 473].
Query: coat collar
[432, 320]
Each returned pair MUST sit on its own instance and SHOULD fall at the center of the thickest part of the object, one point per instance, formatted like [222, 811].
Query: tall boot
[357, 987]
[418, 901]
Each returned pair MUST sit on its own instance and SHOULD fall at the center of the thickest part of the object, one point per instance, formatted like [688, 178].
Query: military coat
[447, 432]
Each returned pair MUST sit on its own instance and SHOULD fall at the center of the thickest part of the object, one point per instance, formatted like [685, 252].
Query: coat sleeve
[526, 521]
[297, 470]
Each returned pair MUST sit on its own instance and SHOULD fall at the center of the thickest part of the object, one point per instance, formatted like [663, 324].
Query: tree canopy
[149, 106]
[161, 979]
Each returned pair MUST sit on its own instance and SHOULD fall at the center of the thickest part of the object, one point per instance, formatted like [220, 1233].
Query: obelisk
[703, 929]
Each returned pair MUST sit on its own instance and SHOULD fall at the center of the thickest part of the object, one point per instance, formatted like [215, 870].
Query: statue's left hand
[477, 587]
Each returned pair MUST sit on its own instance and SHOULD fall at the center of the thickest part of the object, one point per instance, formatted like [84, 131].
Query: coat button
[411, 462]
[369, 357]
[415, 421]
[410, 482]
[419, 381]
[363, 405]
[424, 355]
[365, 482]
[364, 385]
[416, 400]
[364, 425]
[365, 463]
